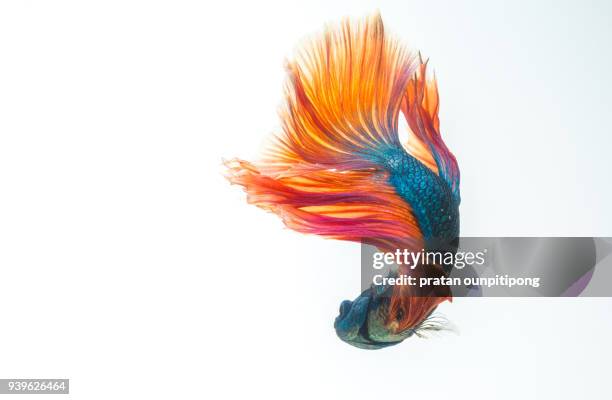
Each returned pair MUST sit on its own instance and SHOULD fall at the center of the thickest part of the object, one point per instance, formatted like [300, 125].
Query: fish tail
[325, 172]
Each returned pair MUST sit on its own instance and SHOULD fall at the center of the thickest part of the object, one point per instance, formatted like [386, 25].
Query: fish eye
[399, 315]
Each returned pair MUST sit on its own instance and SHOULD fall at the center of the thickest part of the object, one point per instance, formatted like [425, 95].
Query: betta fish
[339, 170]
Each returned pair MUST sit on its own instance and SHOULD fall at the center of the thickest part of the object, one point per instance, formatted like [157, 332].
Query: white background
[131, 267]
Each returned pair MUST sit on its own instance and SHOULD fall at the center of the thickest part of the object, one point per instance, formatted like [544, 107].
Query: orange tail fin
[322, 174]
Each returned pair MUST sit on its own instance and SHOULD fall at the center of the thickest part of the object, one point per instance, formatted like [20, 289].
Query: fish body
[434, 206]
[339, 170]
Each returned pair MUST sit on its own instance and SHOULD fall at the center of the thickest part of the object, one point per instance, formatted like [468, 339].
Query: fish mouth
[352, 324]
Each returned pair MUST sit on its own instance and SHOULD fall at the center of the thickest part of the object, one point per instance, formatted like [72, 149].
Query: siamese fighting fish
[337, 168]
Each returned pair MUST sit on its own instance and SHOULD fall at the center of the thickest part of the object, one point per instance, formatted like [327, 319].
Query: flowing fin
[343, 97]
[348, 205]
[323, 174]
[434, 325]
[416, 303]
[420, 108]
